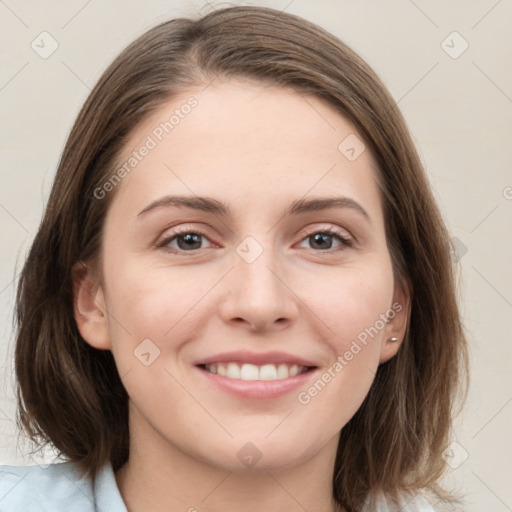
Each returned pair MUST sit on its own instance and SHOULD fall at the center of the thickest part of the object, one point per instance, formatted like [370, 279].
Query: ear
[398, 319]
[89, 307]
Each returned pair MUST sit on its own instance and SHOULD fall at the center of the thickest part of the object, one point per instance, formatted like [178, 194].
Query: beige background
[459, 111]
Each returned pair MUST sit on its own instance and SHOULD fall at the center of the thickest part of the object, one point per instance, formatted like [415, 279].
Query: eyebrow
[210, 205]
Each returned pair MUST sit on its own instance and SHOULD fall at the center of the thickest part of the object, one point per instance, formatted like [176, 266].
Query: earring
[393, 340]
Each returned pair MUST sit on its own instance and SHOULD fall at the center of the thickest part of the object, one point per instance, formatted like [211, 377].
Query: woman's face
[244, 328]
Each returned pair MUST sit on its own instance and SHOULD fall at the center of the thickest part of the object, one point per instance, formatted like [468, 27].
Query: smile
[248, 371]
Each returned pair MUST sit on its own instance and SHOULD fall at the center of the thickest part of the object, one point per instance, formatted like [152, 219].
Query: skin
[257, 148]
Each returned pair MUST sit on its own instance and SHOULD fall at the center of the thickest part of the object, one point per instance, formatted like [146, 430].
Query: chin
[261, 457]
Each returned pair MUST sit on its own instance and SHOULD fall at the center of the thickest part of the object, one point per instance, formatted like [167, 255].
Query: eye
[184, 240]
[324, 239]
[188, 240]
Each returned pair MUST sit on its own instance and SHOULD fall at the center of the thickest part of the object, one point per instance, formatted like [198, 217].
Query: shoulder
[406, 503]
[416, 503]
[31, 488]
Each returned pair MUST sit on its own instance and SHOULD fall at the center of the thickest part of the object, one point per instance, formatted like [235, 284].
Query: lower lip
[258, 389]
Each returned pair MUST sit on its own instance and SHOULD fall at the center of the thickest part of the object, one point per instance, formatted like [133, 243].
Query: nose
[258, 295]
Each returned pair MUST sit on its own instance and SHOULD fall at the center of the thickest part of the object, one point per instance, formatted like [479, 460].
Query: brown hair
[70, 394]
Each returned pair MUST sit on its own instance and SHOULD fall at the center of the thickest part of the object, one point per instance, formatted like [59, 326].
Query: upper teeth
[252, 372]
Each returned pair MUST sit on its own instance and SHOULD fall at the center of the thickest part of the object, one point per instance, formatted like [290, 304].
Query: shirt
[61, 487]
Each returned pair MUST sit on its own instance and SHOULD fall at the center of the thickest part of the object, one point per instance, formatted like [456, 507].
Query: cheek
[341, 387]
[352, 301]
[154, 302]
[352, 306]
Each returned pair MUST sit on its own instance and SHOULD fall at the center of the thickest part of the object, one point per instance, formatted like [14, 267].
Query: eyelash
[162, 244]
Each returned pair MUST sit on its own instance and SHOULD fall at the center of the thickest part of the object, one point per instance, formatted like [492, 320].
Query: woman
[241, 294]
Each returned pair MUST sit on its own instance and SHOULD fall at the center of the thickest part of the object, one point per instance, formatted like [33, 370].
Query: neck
[160, 477]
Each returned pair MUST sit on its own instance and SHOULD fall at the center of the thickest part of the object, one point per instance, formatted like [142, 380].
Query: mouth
[249, 381]
[252, 372]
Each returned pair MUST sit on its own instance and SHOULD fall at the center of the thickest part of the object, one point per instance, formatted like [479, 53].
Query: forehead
[246, 143]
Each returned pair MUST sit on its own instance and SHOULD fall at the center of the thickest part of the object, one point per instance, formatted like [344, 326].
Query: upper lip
[255, 358]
